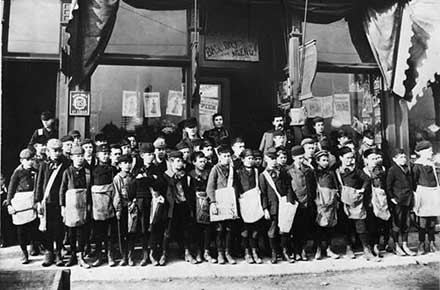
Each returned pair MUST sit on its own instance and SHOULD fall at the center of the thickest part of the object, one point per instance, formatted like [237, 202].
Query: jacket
[218, 178]
[43, 177]
[172, 182]
[75, 179]
[21, 180]
[303, 184]
[400, 185]
[269, 199]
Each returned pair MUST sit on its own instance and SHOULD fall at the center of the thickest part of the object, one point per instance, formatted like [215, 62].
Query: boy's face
[177, 164]
[27, 163]
[186, 153]
[200, 163]
[126, 149]
[323, 161]
[258, 161]
[270, 163]
[192, 132]
[39, 149]
[351, 146]
[248, 161]
[278, 123]
[148, 158]
[379, 159]
[309, 150]
[238, 148]
[279, 140]
[133, 142]
[400, 159]
[125, 166]
[88, 149]
[282, 159]
[160, 153]
[54, 153]
[218, 121]
[224, 158]
[319, 127]
[368, 141]
[208, 151]
[48, 123]
[103, 157]
[371, 160]
[298, 160]
[115, 153]
[67, 147]
[347, 159]
[77, 160]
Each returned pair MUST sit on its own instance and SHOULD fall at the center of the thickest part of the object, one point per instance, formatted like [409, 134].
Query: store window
[140, 31]
[130, 97]
[34, 26]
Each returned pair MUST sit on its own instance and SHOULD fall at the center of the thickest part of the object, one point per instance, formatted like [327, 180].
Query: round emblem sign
[79, 102]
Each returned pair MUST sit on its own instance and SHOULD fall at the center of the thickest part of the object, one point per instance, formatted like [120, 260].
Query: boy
[282, 157]
[115, 154]
[278, 125]
[198, 182]
[180, 213]
[309, 145]
[160, 154]
[275, 184]
[221, 177]
[89, 156]
[75, 202]
[258, 160]
[400, 192]
[48, 131]
[102, 201]
[426, 203]
[322, 139]
[21, 187]
[67, 141]
[247, 177]
[326, 204]
[208, 150]
[191, 132]
[186, 153]
[238, 147]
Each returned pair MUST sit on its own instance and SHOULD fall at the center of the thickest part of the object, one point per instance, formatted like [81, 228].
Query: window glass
[34, 26]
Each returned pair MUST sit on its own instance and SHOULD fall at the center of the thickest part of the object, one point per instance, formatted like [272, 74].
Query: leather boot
[153, 260]
[131, 262]
[99, 260]
[199, 257]
[221, 257]
[124, 260]
[59, 259]
[257, 259]
[304, 255]
[111, 261]
[318, 254]
[248, 257]
[35, 249]
[72, 260]
[82, 262]
[273, 259]
[25, 257]
[286, 256]
[349, 253]
[376, 251]
[189, 258]
[407, 250]
[209, 258]
[432, 247]
[332, 254]
[163, 259]
[145, 258]
[48, 259]
[421, 248]
[369, 256]
[399, 251]
[229, 258]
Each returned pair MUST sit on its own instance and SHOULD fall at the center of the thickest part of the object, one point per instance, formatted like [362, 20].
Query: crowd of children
[218, 199]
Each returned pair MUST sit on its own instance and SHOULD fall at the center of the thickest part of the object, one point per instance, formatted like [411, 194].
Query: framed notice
[79, 103]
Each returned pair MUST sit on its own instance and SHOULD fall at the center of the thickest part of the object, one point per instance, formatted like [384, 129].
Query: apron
[327, 207]
[427, 200]
[23, 204]
[102, 202]
[225, 201]
[250, 203]
[353, 201]
[76, 207]
[202, 208]
[286, 210]
[379, 201]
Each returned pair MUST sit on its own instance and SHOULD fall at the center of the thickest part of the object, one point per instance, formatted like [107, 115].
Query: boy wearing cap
[326, 204]
[126, 150]
[89, 156]
[100, 139]
[203, 229]
[208, 150]
[258, 160]
[367, 142]
[67, 141]
[219, 134]
[322, 139]
[21, 187]
[222, 176]
[102, 205]
[180, 212]
[426, 202]
[115, 154]
[75, 202]
[238, 147]
[190, 132]
[309, 145]
[47, 195]
[282, 157]
[48, 131]
[160, 154]
[400, 192]
[274, 185]
[186, 155]
[303, 184]
[76, 135]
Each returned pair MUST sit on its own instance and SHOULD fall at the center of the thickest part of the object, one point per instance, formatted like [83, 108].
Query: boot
[332, 254]
[59, 259]
[221, 257]
[349, 253]
[257, 259]
[248, 257]
[209, 258]
[25, 257]
[111, 261]
[99, 260]
[273, 258]
[303, 255]
[229, 258]
[131, 262]
[82, 262]
[399, 251]
[145, 258]
[163, 259]
[72, 260]
[189, 258]
[153, 260]
[199, 258]
[432, 247]
[407, 250]
[369, 256]
[286, 257]
[124, 260]
[48, 259]
[421, 249]
[35, 249]
[376, 251]
[318, 255]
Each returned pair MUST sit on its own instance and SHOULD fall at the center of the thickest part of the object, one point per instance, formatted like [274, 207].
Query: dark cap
[348, 141]
[318, 120]
[100, 137]
[47, 115]
[197, 142]
[344, 150]
[182, 145]
[257, 153]
[281, 150]
[26, 153]
[146, 148]
[297, 150]
[321, 153]
[422, 145]
[190, 123]
[308, 141]
[66, 138]
[86, 141]
[271, 153]
[102, 148]
[75, 134]
[175, 154]
[206, 143]
[369, 134]
[224, 149]
[247, 152]
[124, 142]
[77, 150]
[125, 158]
[370, 151]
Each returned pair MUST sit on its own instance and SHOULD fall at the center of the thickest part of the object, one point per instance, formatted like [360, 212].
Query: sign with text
[230, 48]
[79, 103]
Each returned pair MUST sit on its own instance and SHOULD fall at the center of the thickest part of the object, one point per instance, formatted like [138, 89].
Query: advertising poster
[175, 103]
[342, 109]
[313, 107]
[297, 116]
[130, 105]
[327, 106]
[152, 105]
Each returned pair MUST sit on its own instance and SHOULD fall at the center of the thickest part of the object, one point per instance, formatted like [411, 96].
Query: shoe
[199, 257]
[82, 263]
[111, 261]
[72, 260]
[407, 250]
[376, 251]
[209, 258]
[144, 261]
[421, 249]
[399, 251]
[48, 259]
[98, 262]
[163, 259]
[124, 260]
[303, 255]
[247, 256]
[131, 262]
[257, 259]
[273, 258]
[318, 255]
[59, 260]
[349, 253]
[34, 250]
[229, 258]
[332, 254]
[432, 247]
[369, 256]
[389, 248]
[286, 256]
[153, 260]
[189, 258]
[25, 257]
[221, 257]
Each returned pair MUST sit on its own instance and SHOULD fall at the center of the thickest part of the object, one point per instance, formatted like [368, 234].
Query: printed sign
[152, 105]
[79, 103]
[313, 107]
[208, 106]
[175, 103]
[219, 46]
[327, 106]
[129, 104]
[342, 109]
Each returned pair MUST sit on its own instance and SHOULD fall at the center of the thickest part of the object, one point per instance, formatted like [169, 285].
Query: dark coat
[400, 185]
[21, 180]
[269, 199]
[43, 178]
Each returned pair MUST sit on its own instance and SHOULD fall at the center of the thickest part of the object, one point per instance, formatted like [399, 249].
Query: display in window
[297, 116]
[327, 106]
[341, 109]
[152, 105]
[130, 104]
[175, 103]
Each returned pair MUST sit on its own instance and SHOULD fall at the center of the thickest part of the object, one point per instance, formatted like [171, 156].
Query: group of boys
[119, 194]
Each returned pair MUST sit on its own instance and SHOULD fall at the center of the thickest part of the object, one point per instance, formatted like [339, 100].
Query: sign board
[228, 47]
[79, 103]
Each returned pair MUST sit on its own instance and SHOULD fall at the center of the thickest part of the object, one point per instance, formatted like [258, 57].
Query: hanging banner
[130, 105]
[175, 103]
[152, 105]
[309, 68]
[79, 103]
[327, 106]
[341, 109]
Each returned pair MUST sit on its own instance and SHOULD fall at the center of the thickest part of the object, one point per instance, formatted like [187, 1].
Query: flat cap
[344, 150]
[125, 158]
[422, 145]
[175, 154]
[159, 143]
[247, 152]
[124, 142]
[297, 150]
[271, 153]
[26, 153]
[76, 150]
[86, 141]
[257, 153]
[182, 145]
[146, 148]
[321, 153]
[224, 149]
[75, 133]
[47, 115]
[307, 141]
[66, 138]
[190, 123]
[102, 148]
[54, 144]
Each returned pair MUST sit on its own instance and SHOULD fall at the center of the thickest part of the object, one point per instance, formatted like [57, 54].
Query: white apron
[427, 199]
[379, 201]
[326, 206]
[76, 207]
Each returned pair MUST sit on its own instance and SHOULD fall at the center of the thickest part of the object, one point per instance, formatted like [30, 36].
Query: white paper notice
[130, 105]
[152, 105]
[342, 109]
[175, 103]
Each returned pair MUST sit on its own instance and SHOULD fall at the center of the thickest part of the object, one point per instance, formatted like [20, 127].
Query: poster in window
[175, 103]
[327, 106]
[130, 104]
[309, 68]
[367, 104]
[209, 91]
[313, 107]
[79, 103]
[152, 105]
[342, 109]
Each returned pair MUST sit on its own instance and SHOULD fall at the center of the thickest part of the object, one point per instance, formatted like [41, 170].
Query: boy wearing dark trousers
[203, 228]
[400, 192]
[75, 202]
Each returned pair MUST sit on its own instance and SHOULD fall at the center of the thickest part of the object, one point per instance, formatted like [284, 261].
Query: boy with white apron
[353, 182]
[20, 201]
[75, 202]
[250, 207]
[103, 212]
[427, 195]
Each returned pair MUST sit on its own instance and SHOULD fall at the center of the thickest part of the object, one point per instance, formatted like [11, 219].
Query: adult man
[48, 131]
[278, 125]
[219, 134]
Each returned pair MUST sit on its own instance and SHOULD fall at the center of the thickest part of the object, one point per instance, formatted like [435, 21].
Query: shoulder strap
[256, 177]
[271, 183]
[231, 176]
[338, 174]
[88, 177]
[435, 174]
[51, 181]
